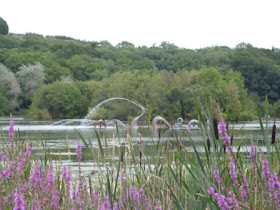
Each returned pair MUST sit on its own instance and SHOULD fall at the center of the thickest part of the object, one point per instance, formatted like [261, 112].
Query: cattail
[122, 151]
[273, 129]
[208, 144]
[122, 156]
[273, 134]
[215, 125]
[215, 121]
[140, 153]
[231, 139]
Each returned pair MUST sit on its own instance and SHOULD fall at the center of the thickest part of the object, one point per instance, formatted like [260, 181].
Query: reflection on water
[61, 138]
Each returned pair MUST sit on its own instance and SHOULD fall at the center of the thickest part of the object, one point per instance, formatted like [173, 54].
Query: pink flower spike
[252, 150]
[11, 129]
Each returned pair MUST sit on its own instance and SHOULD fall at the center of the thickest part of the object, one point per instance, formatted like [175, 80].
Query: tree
[10, 85]
[55, 72]
[31, 77]
[4, 28]
[59, 100]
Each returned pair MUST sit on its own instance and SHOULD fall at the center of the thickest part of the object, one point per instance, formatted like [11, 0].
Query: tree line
[60, 77]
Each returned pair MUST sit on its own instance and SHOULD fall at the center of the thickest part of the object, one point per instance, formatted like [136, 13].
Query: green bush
[60, 100]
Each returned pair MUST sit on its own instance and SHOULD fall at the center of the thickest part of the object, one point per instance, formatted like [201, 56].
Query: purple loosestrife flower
[232, 170]
[8, 173]
[20, 163]
[35, 178]
[122, 176]
[243, 192]
[11, 129]
[252, 150]
[24, 188]
[55, 200]
[232, 200]
[66, 175]
[115, 206]
[50, 179]
[74, 193]
[27, 151]
[220, 198]
[4, 157]
[106, 203]
[134, 195]
[147, 204]
[121, 206]
[223, 131]
[243, 187]
[142, 193]
[158, 207]
[33, 204]
[79, 150]
[265, 167]
[95, 198]
[19, 200]
[217, 176]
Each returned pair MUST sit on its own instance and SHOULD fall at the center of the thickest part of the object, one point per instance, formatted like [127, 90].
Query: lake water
[61, 138]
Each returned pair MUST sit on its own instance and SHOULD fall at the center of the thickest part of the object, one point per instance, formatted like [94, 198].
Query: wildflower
[223, 131]
[28, 151]
[20, 163]
[35, 178]
[265, 168]
[24, 188]
[147, 204]
[121, 206]
[115, 206]
[232, 170]
[222, 202]
[79, 150]
[33, 204]
[50, 178]
[19, 200]
[66, 175]
[55, 200]
[142, 193]
[11, 129]
[252, 150]
[217, 176]
[95, 198]
[232, 200]
[158, 207]
[3, 156]
[106, 203]
[122, 176]
[243, 192]
[134, 195]
[7, 173]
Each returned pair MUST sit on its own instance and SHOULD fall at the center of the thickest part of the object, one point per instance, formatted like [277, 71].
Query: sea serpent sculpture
[134, 121]
[160, 119]
[192, 124]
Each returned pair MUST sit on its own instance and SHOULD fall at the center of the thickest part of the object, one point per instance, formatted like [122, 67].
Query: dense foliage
[4, 28]
[162, 78]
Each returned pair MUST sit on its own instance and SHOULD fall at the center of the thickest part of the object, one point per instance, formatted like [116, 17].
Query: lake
[61, 137]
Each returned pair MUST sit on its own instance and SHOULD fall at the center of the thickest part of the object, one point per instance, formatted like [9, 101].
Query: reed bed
[171, 178]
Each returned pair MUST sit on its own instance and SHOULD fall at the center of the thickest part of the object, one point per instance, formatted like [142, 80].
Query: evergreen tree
[4, 28]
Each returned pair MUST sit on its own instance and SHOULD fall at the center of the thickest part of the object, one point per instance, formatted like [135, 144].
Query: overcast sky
[187, 23]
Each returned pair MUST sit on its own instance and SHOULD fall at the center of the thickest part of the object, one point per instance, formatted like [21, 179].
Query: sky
[191, 24]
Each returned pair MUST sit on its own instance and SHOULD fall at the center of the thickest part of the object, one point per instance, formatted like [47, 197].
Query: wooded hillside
[58, 77]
